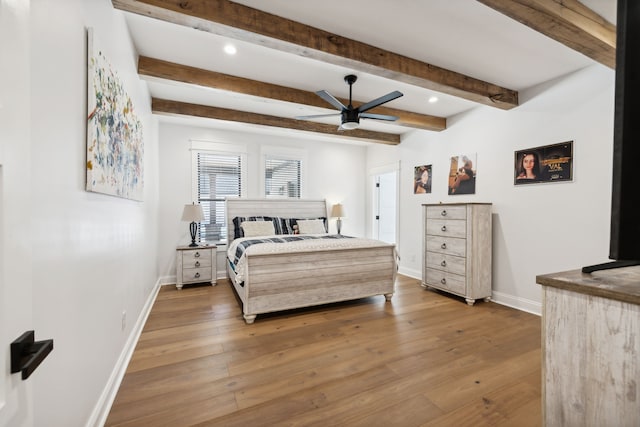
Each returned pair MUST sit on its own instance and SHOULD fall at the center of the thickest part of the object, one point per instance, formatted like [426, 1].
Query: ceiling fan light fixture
[350, 115]
[350, 125]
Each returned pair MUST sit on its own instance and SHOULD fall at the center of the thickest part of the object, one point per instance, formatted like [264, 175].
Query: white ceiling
[460, 35]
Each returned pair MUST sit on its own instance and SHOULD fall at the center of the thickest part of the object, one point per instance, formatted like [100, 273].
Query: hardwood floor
[424, 359]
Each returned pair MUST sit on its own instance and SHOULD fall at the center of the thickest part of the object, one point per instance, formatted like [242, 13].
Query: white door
[385, 206]
[16, 303]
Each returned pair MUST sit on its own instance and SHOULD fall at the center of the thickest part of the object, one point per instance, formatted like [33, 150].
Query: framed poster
[462, 174]
[548, 163]
[115, 150]
[422, 179]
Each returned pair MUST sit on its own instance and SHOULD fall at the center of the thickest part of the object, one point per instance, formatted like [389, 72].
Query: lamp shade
[192, 213]
[337, 211]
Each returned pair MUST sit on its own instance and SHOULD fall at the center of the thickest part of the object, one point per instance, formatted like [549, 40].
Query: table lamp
[337, 211]
[194, 214]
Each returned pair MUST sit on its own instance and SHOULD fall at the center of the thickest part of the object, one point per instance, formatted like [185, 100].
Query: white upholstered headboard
[284, 208]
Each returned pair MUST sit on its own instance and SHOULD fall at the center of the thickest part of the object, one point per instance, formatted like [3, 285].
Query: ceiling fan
[351, 115]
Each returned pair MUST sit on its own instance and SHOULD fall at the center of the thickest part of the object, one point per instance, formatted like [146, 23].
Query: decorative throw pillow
[289, 225]
[257, 228]
[237, 230]
[278, 225]
[311, 226]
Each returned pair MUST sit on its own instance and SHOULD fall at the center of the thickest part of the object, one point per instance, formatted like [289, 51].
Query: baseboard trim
[518, 303]
[101, 411]
[414, 274]
[171, 280]
[167, 280]
[501, 298]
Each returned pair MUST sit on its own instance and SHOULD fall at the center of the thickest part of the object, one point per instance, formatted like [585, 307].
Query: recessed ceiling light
[433, 99]
[230, 49]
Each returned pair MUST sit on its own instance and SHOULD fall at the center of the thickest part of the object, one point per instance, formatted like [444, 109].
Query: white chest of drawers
[195, 265]
[457, 249]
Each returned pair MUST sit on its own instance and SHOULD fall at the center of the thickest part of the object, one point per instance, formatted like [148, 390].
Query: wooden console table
[591, 348]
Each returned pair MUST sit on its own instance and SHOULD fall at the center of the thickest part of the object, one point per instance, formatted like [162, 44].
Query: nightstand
[195, 264]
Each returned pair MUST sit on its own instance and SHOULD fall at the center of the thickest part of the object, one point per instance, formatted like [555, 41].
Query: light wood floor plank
[425, 358]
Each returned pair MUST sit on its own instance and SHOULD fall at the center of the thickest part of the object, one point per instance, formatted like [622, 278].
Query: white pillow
[257, 228]
[311, 226]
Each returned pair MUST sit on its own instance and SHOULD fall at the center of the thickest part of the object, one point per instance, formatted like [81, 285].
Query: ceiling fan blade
[330, 99]
[378, 101]
[316, 116]
[378, 117]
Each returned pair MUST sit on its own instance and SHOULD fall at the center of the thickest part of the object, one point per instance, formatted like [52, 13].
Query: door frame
[371, 198]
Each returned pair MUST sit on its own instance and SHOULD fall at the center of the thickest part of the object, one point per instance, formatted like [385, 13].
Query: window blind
[282, 177]
[219, 176]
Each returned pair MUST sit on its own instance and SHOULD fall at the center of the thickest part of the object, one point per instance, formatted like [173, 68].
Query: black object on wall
[624, 245]
[27, 353]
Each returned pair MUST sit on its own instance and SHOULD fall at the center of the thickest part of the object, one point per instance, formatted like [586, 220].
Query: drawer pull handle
[197, 263]
[443, 263]
[444, 228]
[198, 275]
[443, 281]
[197, 255]
[443, 213]
[443, 246]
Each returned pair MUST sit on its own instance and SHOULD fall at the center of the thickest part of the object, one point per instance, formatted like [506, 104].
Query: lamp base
[193, 229]
[339, 225]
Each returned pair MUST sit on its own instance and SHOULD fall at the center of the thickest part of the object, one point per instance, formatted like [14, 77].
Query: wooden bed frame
[275, 282]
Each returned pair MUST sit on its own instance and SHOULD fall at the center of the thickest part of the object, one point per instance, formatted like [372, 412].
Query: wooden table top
[622, 284]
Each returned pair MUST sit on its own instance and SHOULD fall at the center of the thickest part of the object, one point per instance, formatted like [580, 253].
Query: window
[219, 175]
[282, 177]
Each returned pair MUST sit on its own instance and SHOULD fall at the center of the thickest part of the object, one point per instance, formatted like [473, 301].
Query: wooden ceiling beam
[176, 108]
[566, 21]
[240, 22]
[156, 68]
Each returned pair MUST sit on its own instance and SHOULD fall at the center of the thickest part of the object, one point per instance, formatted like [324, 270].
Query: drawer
[196, 275]
[447, 227]
[447, 245]
[446, 281]
[196, 262]
[446, 263]
[202, 255]
[447, 212]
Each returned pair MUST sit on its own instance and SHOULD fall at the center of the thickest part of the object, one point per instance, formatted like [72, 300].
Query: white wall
[335, 172]
[91, 257]
[540, 228]
[15, 204]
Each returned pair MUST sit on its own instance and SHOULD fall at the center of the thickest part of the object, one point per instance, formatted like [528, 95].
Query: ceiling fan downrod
[350, 79]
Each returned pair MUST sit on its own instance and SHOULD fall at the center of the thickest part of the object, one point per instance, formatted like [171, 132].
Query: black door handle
[27, 353]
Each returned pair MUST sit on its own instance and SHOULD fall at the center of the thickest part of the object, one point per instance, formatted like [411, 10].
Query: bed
[319, 270]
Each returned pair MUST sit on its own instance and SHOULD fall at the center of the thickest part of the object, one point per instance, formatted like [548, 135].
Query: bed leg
[249, 318]
[388, 297]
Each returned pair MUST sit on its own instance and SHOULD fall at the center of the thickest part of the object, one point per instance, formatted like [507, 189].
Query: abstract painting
[115, 149]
